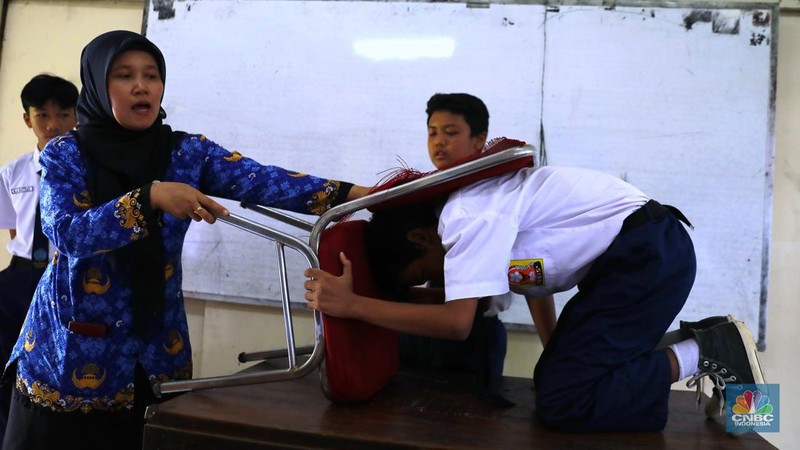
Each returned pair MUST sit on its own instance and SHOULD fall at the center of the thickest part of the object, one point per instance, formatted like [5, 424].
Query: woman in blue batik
[108, 319]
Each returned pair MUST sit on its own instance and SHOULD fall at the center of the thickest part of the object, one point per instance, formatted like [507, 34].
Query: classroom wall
[47, 36]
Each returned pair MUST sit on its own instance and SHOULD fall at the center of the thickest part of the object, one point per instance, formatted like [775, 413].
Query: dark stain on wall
[721, 23]
[697, 15]
[164, 8]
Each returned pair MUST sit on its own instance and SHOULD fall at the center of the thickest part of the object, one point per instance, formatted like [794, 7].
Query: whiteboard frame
[773, 6]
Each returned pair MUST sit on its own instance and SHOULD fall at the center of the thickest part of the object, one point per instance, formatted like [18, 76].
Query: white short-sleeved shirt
[19, 194]
[534, 232]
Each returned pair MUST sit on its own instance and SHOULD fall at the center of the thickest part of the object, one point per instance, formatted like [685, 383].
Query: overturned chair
[355, 359]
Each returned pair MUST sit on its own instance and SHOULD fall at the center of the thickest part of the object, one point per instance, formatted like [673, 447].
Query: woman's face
[449, 138]
[135, 89]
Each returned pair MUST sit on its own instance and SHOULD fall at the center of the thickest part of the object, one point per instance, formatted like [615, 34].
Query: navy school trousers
[600, 372]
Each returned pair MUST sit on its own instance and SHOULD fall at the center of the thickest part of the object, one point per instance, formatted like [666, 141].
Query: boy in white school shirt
[543, 230]
[49, 104]
[457, 126]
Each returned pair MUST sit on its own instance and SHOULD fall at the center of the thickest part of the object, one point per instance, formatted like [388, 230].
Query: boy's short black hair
[470, 107]
[45, 87]
[388, 249]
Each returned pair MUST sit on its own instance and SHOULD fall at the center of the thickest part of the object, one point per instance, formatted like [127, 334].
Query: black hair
[45, 87]
[388, 249]
[470, 107]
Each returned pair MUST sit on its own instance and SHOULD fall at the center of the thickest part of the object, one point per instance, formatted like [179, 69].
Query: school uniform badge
[526, 272]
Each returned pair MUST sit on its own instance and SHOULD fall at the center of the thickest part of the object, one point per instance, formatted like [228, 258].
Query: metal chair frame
[309, 251]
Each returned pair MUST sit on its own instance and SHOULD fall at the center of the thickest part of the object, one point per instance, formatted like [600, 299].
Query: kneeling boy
[544, 230]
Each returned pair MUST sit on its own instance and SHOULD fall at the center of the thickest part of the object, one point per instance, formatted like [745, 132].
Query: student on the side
[118, 195]
[48, 104]
[630, 257]
[458, 125]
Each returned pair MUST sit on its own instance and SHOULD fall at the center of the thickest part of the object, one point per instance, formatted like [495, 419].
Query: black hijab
[120, 160]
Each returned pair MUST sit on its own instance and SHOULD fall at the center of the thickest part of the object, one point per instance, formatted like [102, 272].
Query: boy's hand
[330, 294]
[182, 201]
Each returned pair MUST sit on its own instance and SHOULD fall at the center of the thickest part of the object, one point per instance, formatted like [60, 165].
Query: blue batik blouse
[86, 369]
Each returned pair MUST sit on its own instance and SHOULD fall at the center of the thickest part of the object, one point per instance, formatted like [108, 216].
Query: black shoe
[687, 328]
[728, 355]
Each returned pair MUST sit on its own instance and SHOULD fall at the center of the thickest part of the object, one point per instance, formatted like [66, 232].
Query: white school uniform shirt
[19, 194]
[534, 232]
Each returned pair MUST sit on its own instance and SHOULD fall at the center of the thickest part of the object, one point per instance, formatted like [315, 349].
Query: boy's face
[135, 89]
[449, 138]
[49, 121]
[429, 266]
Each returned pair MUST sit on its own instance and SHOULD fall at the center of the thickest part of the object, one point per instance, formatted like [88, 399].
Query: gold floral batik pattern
[52, 399]
[322, 200]
[82, 200]
[129, 212]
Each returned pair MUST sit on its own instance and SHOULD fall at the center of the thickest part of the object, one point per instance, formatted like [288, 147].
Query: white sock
[688, 354]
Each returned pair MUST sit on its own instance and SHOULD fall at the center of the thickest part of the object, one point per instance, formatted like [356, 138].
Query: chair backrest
[360, 358]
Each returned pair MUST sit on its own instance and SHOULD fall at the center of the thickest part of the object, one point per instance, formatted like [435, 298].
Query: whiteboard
[678, 101]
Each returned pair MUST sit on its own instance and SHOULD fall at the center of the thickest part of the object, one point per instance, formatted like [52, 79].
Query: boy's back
[548, 214]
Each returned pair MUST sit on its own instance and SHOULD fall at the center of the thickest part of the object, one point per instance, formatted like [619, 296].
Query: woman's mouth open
[141, 108]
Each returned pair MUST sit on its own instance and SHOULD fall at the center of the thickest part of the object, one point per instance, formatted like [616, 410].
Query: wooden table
[414, 411]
